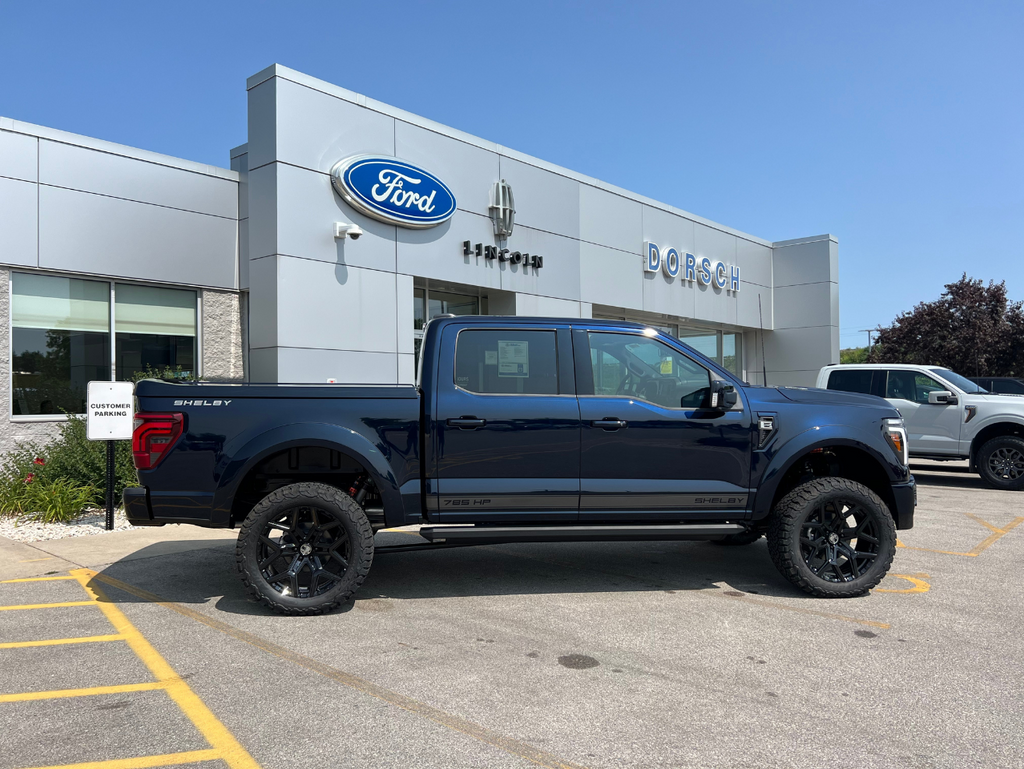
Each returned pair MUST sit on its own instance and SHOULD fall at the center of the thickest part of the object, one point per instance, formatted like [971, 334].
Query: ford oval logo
[393, 191]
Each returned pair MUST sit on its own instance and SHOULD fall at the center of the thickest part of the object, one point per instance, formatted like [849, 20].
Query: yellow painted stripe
[438, 716]
[34, 579]
[917, 585]
[227, 747]
[143, 762]
[46, 605]
[61, 641]
[35, 560]
[58, 694]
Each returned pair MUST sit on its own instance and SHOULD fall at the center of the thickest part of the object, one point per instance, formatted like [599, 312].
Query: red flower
[29, 477]
[39, 461]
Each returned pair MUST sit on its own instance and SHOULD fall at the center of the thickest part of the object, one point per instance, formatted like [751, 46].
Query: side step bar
[497, 534]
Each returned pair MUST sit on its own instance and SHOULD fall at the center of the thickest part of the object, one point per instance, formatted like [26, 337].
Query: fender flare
[790, 452]
[988, 422]
[238, 462]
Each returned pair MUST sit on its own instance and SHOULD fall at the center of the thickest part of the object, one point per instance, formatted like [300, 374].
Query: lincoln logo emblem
[502, 208]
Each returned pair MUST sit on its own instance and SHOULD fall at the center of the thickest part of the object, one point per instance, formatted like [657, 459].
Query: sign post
[108, 417]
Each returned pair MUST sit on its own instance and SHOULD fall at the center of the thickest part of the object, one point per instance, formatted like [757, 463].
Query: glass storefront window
[702, 341]
[155, 331]
[60, 340]
[442, 303]
[731, 358]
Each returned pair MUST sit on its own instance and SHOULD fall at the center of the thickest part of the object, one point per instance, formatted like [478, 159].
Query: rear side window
[509, 362]
[852, 381]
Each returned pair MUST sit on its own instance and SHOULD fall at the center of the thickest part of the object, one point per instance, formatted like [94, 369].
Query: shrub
[57, 500]
[75, 457]
[65, 476]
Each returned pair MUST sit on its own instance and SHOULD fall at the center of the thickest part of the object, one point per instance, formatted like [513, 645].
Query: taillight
[153, 435]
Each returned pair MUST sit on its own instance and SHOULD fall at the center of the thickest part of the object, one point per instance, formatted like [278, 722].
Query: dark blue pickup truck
[526, 430]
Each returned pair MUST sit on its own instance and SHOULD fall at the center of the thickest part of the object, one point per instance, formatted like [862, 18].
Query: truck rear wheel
[304, 549]
[832, 538]
[1001, 463]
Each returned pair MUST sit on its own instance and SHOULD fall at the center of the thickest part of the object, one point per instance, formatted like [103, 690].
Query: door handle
[467, 423]
[609, 423]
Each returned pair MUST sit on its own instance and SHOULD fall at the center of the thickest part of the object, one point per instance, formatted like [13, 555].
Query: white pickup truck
[947, 415]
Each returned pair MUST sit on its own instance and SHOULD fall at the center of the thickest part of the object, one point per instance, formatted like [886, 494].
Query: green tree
[854, 355]
[971, 328]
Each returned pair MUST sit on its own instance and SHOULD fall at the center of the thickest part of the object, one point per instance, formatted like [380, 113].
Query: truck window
[1008, 386]
[851, 381]
[646, 369]
[910, 386]
[507, 362]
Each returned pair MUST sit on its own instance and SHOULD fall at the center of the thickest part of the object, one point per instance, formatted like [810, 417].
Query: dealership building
[340, 228]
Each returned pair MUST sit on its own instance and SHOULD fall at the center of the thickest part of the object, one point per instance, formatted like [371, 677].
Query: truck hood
[832, 397]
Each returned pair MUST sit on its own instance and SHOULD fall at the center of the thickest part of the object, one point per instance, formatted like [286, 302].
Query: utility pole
[869, 332]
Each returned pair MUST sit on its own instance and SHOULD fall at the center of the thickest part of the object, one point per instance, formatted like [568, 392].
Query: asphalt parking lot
[557, 655]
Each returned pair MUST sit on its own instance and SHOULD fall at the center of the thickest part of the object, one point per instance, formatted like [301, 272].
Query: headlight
[896, 436]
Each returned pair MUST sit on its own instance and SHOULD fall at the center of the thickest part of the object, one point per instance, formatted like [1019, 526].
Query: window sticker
[490, 357]
[513, 359]
[666, 366]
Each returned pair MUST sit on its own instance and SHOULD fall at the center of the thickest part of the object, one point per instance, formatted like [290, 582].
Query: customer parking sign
[109, 411]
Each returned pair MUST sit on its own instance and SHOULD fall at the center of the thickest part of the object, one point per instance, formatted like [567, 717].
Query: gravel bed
[90, 522]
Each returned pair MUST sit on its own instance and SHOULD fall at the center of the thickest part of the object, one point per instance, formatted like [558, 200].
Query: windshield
[962, 382]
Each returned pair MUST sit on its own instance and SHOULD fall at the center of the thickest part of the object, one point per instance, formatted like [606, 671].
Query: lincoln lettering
[392, 185]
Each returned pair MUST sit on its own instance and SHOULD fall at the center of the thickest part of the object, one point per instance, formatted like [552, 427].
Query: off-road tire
[336, 504]
[1010, 450]
[748, 537]
[792, 517]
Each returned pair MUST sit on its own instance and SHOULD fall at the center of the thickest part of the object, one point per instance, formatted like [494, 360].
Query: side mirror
[942, 398]
[722, 396]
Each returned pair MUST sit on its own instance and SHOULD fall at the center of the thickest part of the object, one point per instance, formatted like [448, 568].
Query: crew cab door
[649, 451]
[932, 428]
[507, 425]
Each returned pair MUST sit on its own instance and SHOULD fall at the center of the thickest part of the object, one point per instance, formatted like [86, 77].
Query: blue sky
[897, 127]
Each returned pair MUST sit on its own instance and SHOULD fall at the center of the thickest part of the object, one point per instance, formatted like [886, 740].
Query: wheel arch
[996, 429]
[828, 456]
[247, 461]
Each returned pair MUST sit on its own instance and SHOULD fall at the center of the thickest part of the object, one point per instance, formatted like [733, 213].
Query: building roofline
[112, 148]
[308, 81]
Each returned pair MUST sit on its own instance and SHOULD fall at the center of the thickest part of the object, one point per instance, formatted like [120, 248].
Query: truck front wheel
[1001, 463]
[304, 549]
[832, 538]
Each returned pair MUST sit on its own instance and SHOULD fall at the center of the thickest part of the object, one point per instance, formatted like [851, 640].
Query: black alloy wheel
[832, 538]
[1001, 463]
[304, 552]
[304, 549]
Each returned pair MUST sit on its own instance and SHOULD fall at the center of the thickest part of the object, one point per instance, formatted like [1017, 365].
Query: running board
[498, 534]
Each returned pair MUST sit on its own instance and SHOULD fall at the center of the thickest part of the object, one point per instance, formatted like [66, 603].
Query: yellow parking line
[36, 560]
[144, 762]
[34, 579]
[227, 748]
[61, 641]
[58, 694]
[453, 722]
[918, 585]
[46, 605]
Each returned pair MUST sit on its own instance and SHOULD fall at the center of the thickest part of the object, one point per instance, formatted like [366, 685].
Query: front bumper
[905, 495]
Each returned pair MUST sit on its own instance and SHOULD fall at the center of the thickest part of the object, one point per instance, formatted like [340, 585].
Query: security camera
[343, 230]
